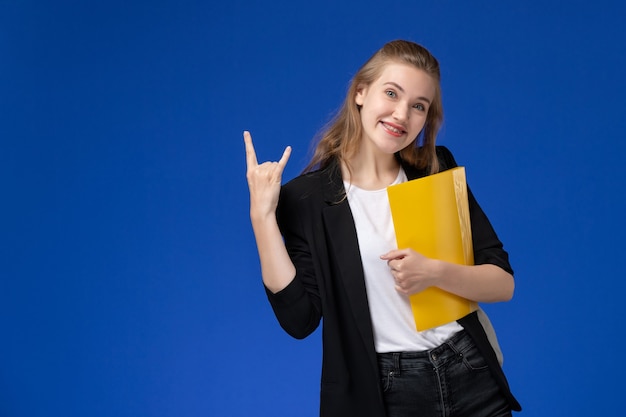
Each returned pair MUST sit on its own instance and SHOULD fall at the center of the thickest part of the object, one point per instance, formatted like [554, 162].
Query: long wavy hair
[342, 136]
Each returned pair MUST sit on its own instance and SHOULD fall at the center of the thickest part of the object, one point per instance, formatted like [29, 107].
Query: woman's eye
[390, 93]
[420, 107]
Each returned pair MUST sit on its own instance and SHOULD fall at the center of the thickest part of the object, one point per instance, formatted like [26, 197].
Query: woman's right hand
[264, 180]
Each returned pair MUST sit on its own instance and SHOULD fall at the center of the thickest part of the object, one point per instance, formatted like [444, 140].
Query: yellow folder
[431, 216]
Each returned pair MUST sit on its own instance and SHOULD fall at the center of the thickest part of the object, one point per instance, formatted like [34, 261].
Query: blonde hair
[343, 134]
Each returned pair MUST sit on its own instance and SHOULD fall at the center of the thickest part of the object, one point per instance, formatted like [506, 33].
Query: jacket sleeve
[297, 307]
[488, 248]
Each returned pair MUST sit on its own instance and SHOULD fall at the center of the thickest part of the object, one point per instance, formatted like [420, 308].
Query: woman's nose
[401, 112]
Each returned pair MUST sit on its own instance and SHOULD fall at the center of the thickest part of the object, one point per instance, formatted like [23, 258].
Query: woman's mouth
[393, 129]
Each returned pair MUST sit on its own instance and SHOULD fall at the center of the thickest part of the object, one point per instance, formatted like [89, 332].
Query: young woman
[327, 249]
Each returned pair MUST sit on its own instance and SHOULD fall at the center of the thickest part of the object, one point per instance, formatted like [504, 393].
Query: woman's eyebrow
[395, 85]
[426, 99]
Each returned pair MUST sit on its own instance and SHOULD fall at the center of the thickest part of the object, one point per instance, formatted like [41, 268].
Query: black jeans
[450, 380]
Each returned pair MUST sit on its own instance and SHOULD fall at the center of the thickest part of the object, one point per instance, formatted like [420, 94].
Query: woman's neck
[370, 173]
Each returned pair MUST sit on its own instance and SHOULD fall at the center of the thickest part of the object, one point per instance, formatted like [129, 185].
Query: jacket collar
[332, 181]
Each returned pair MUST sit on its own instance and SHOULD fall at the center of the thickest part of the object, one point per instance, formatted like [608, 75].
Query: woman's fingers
[264, 180]
[283, 160]
[251, 160]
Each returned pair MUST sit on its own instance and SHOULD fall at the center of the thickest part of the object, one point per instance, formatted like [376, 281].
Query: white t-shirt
[392, 317]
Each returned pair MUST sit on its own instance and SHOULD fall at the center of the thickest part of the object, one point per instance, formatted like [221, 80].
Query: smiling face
[394, 108]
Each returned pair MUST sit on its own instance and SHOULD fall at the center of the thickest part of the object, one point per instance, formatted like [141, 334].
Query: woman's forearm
[277, 269]
[482, 283]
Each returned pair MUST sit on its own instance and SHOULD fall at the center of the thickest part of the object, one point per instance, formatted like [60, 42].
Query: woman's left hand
[412, 271]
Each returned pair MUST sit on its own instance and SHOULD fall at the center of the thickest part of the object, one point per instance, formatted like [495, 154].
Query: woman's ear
[361, 91]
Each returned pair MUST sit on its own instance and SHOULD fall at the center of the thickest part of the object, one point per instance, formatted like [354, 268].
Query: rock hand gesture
[264, 181]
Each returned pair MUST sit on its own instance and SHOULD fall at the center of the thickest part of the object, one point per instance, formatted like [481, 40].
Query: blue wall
[129, 279]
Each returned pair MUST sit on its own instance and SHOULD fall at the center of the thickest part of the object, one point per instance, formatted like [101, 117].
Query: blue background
[129, 279]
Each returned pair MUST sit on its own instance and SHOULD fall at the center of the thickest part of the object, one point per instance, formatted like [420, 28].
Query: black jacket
[316, 222]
